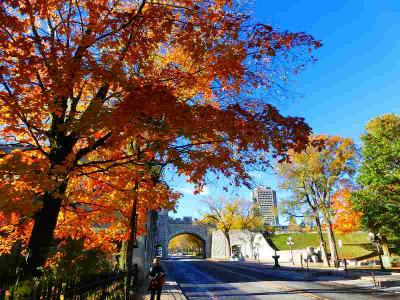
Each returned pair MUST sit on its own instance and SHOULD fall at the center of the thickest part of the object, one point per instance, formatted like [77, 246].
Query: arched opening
[237, 252]
[187, 245]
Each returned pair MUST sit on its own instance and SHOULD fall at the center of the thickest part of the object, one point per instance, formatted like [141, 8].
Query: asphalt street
[202, 279]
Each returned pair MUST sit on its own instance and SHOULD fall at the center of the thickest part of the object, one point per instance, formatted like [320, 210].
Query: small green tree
[229, 215]
[379, 177]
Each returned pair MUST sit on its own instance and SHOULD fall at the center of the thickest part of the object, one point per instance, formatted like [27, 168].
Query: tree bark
[229, 244]
[45, 221]
[332, 242]
[322, 240]
[131, 242]
[385, 246]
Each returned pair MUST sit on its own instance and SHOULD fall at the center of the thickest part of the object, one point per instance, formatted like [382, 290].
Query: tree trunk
[131, 242]
[385, 246]
[332, 242]
[45, 221]
[229, 244]
[322, 240]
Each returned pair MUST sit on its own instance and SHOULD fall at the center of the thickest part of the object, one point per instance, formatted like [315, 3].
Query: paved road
[201, 279]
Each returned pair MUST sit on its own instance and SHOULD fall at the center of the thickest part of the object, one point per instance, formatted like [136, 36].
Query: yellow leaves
[326, 156]
[228, 215]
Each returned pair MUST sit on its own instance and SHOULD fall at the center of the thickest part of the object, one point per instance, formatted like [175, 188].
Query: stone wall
[262, 248]
[250, 243]
[219, 245]
[216, 244]
[169, 227]
[253, 247]
[146, 246]
[201, 231]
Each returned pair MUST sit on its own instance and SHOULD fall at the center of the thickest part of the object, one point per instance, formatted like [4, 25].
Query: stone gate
[169, 228]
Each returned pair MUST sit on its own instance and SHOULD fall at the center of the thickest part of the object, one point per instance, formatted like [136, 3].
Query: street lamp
[376, 239]
[290, 243]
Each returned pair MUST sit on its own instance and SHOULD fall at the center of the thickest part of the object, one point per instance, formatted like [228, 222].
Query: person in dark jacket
[157, 278]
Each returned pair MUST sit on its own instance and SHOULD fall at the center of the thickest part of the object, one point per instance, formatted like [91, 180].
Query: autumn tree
[79, 80]
[313, 176]
[379, 177]
[345, 219]
[228, 215]
[293, 226]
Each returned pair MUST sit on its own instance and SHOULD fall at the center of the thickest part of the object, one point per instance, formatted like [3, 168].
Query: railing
[108, 286]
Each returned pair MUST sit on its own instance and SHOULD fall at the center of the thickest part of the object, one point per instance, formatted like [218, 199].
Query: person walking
[157, 279]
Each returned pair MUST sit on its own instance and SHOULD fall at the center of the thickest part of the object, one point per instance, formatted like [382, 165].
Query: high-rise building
[265, 199]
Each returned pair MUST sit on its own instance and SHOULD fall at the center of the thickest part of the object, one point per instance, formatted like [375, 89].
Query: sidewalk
[170, 291]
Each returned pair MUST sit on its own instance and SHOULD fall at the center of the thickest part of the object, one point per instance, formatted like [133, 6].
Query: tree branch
[84, 151]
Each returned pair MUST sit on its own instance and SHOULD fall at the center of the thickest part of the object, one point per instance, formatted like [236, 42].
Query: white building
[265, 199]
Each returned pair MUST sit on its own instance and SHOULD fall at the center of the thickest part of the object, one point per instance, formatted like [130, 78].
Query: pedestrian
[157, 279]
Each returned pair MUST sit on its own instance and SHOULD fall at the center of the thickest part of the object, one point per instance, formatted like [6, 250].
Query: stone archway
[169, 227]
[198, 237]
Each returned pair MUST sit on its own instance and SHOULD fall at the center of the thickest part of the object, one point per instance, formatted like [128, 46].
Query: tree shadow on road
[305, 292]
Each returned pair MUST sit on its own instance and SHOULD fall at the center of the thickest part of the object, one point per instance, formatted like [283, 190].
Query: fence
[107, 286]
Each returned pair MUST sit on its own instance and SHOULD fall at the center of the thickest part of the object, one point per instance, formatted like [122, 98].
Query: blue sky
[356, 78]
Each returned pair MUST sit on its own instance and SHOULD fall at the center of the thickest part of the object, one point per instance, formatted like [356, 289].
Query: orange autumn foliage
[345, 218]
[80, 80]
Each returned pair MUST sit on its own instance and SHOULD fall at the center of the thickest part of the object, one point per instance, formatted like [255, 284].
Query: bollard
[276, 263]
[301, 261]
[373, 277]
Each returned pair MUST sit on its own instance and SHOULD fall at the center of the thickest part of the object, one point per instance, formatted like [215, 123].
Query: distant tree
[185, 242]
[379, 177]
[269, 229]
[313, 176]
[345, 218]
[228, 215]
[293, 226]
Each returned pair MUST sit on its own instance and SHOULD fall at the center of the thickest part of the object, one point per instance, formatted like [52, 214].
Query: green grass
[355, 245]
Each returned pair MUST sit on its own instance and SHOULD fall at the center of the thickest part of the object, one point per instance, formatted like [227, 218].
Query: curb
[381, 282]
[313, 271]
[388, 283]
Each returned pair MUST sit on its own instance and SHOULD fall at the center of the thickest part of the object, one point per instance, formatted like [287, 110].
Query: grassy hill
[355, 245]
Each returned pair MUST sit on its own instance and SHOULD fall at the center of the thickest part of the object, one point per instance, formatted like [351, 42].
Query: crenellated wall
[169, 227]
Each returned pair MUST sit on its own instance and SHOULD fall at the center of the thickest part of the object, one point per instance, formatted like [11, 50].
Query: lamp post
[290, 243]
[376, 239]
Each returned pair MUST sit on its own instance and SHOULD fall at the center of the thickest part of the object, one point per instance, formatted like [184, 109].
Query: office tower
[265, 199]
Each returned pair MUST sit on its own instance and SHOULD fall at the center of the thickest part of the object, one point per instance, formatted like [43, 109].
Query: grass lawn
[355, 245]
